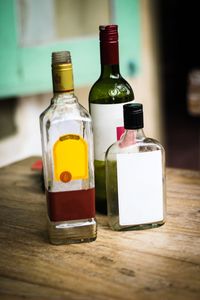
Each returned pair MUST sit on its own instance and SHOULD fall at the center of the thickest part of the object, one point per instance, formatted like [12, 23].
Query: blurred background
[159, 56]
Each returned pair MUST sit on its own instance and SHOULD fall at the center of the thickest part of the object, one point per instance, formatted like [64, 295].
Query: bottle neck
[110, 71]
[109, 53]
[62, 77]
[131, 137]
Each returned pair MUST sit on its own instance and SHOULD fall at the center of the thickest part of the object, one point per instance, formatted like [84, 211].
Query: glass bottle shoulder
[140, 145]
[110, 90]
[64, 107]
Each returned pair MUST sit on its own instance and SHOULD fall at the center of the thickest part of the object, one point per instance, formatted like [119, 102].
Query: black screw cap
[133, 116]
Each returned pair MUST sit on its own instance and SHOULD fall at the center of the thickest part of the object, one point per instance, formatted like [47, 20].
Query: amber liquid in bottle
[71, 205]
[67, 146]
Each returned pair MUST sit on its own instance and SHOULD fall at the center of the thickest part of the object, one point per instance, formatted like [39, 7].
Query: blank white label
[107, 121]
[140, 187]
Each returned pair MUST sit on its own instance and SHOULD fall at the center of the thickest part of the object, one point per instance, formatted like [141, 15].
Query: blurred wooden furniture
[193, 93]
[162, 263]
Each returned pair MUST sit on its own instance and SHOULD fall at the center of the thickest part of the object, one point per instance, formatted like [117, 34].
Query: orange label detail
[65, 176]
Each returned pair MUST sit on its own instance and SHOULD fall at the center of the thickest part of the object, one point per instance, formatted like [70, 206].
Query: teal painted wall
[27, 70]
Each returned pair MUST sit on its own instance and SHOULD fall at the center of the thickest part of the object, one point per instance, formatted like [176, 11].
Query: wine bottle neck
[109, 53]
[110, 71]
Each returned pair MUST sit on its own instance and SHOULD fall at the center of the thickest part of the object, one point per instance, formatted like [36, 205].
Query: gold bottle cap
[62, 72]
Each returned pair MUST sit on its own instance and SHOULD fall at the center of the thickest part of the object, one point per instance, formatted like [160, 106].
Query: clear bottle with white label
[135, 176]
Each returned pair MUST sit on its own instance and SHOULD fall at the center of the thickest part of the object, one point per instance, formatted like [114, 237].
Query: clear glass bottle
[67, 146]
[106, 99]
[135, 176]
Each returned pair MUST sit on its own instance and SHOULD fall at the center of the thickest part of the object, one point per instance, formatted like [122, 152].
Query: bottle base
[72, 232]
[114, 224]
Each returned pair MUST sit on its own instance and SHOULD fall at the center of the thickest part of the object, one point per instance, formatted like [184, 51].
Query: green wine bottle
[106, 99]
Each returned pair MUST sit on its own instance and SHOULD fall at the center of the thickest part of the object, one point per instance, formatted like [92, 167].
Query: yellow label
[62, 78]
[70, 158]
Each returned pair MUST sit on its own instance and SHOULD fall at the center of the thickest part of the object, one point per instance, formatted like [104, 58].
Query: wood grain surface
[161, 263]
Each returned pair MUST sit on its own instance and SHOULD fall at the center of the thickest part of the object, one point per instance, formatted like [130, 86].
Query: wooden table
[162, 263]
